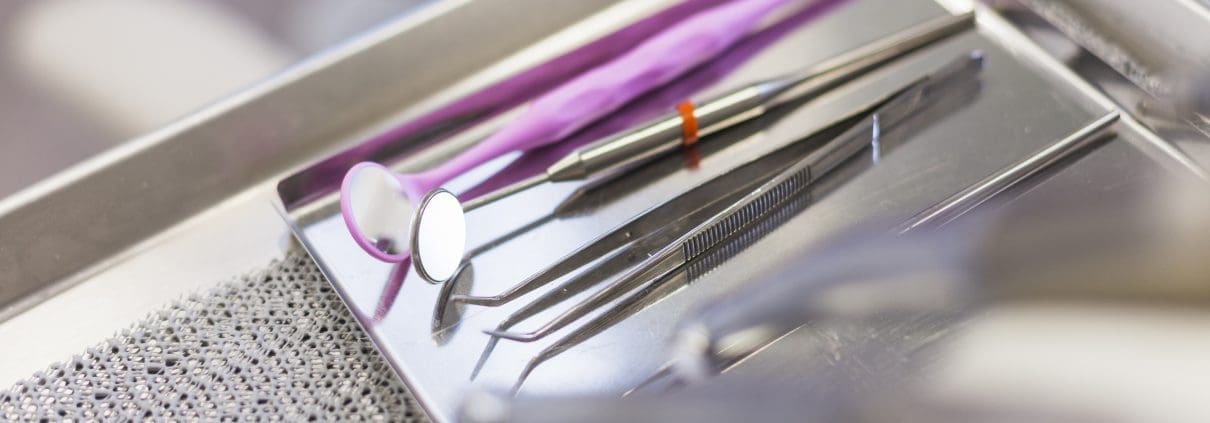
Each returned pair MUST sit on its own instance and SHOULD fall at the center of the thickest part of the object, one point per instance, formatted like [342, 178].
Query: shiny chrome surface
[1027, 100]
[439, 230]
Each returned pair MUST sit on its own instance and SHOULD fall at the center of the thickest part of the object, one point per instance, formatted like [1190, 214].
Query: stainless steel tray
[1025, 100]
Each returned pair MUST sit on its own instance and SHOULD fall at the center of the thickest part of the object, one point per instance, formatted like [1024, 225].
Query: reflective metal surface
[440, 236]
[1026, 102]
[1145, 60]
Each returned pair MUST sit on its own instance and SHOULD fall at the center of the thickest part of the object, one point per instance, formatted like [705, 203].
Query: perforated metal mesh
[277, 345]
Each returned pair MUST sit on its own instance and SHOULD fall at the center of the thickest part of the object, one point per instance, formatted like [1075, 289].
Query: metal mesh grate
[277, 345]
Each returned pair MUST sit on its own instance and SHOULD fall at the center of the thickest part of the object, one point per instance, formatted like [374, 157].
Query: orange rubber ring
[688, 123]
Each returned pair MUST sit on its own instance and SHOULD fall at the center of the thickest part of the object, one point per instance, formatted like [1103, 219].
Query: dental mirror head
[376, 211]
[438, 236]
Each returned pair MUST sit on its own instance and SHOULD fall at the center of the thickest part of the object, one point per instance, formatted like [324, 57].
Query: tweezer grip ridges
[745, 238]
[748, 213]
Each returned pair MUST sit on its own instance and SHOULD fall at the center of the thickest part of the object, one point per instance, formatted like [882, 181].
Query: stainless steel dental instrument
[698, 342]
[662, 224]
[672, 132]
[550, 117]
[638, 234]
[759, 202]
[658, 290]
[665, 134]
[646, 231]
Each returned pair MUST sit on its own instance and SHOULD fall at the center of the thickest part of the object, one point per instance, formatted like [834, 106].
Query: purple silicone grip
[603, 90]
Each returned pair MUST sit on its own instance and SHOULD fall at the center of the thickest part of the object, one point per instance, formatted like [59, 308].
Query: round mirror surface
[439, 231]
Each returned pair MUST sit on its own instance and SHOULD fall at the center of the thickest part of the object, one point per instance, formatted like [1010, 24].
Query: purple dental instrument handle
[603, 90]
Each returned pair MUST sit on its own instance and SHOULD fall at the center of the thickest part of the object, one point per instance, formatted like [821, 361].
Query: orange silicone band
[688, 123]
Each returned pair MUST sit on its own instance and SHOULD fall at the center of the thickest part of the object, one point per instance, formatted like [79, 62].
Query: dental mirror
[376, 211]
[387, 225]
[438, 236]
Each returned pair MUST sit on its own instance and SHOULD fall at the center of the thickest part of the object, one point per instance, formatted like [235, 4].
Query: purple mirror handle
[603, 90]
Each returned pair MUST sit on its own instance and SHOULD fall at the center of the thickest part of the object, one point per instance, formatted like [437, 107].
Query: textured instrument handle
[603, 90]
[795, 180]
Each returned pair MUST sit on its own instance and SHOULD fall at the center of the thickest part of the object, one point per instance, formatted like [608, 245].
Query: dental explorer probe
[685, 127]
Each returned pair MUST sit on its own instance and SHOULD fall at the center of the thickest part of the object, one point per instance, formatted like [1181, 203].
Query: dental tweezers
[778, 305]
[756, 204]
[727, 110]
